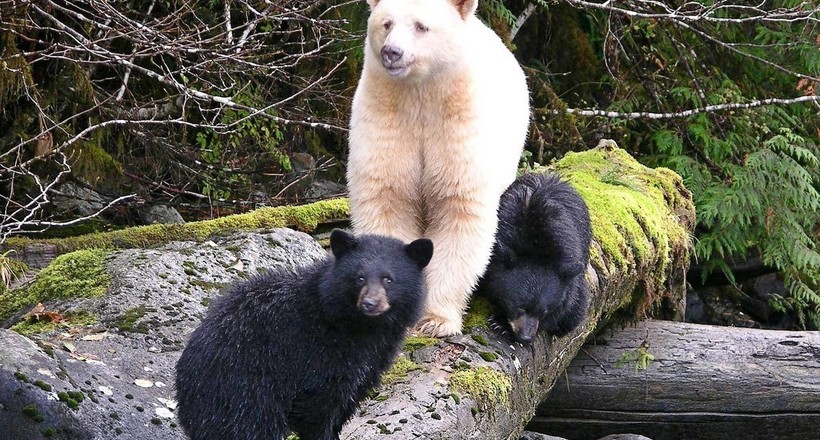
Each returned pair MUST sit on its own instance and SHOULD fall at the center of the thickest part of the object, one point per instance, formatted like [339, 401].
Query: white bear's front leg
[462, 228]
[384, 176]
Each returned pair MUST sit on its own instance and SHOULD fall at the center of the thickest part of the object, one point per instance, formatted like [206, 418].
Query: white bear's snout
[391, 54]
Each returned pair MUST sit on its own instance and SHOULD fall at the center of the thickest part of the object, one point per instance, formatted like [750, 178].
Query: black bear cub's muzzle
[373, 300]
[525, 327]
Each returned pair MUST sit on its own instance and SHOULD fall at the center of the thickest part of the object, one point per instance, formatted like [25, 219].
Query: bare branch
[522, 19]
[691, 112]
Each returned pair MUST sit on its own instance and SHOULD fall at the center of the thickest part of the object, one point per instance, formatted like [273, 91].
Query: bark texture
[705, 383]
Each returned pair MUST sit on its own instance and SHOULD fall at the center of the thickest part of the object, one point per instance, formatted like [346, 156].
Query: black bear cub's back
[537, 271]
[297, 351]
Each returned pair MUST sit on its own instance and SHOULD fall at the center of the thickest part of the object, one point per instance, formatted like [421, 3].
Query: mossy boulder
[303, 218]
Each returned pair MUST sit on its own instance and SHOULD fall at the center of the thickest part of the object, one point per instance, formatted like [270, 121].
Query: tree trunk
[704, 383]
[481, 385]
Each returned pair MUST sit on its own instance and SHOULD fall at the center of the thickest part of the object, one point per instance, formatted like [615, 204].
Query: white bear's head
[417, 38]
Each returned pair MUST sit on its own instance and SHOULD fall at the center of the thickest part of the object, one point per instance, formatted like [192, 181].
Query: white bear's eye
[421, 28]
[388, 24]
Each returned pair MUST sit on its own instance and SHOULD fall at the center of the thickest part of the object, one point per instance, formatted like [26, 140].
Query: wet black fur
[291, 351]
[541, 254]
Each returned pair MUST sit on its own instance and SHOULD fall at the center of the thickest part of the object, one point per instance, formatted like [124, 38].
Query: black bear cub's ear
[341, 242]
[420, 251]
[571, 270]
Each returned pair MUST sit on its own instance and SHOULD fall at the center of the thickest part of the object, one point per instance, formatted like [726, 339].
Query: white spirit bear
[439, 120]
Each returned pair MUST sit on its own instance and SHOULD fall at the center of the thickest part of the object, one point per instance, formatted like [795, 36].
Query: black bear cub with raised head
[537, 274]
[297, 351]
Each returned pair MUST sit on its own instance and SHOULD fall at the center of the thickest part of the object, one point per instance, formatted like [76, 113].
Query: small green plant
[640, 357]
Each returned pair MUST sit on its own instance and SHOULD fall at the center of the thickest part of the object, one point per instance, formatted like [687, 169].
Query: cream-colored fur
[435, 141]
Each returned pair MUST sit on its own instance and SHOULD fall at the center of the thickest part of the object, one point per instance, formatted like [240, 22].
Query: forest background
[216, 107]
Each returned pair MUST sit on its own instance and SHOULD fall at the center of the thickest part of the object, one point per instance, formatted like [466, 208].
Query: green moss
[49, 432]
[634, 212]
[413, 343]
[481, 339]
[477, 316]
[488, 356]
[32, 326]
[20, 376]
[485, 385]
[42, 385]
[128, 321]
[304, 217]
[30, 411]
[73, 275]
[71, 398]
[399, 371]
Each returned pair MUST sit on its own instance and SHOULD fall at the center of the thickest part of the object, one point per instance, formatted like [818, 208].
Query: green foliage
[640, 358]
[242, 139]
[754, 173]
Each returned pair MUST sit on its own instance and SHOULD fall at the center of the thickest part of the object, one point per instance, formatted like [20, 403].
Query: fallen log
[482, 386]
[704, 383]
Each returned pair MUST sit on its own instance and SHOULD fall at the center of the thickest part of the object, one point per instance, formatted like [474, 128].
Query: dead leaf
[84, 356]
[69, 347]
[39, 313]
[143, 383]
[95, 337]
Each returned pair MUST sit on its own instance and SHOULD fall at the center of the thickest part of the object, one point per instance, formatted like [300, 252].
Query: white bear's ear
[464, 7]
[372, 3]
[341, 242]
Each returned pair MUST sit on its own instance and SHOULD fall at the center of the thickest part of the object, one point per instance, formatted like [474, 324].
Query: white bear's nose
[391, 54]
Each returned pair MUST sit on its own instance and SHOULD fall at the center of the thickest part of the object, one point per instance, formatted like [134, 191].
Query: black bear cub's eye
[387, 280]
[360, 279]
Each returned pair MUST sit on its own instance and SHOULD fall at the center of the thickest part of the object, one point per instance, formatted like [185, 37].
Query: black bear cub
[537, 274]
[297, 351]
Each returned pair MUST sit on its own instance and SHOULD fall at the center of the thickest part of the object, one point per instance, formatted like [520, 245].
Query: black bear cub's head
[377, 277]
[528, 292]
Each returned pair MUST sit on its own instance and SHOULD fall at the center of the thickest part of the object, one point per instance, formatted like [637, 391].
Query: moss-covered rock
[303, 218]
[486, 385]
[79, 274]
[399, 370]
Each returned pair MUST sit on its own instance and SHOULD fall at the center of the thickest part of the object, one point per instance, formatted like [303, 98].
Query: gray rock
[529, 435]
[159, 214]
[124, 366]
[324, 189]
[75, 198]
[625, 437]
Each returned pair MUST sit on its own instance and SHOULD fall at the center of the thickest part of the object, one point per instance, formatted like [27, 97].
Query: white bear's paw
[438, 326]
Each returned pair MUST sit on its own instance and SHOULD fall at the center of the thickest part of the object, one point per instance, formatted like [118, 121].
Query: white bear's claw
[438, 327]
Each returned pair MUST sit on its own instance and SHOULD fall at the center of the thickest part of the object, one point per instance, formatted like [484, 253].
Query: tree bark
[510, 379]
[704, 383]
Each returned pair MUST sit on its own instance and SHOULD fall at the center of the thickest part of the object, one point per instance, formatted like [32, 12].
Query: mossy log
[738, 382]
[38, 253]
[481, 385]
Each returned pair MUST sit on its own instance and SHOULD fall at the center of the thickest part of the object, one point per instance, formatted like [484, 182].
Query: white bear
[439, 120]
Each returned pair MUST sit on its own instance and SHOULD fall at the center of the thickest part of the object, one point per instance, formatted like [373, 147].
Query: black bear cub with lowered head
[537, 274]
[297, 351]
